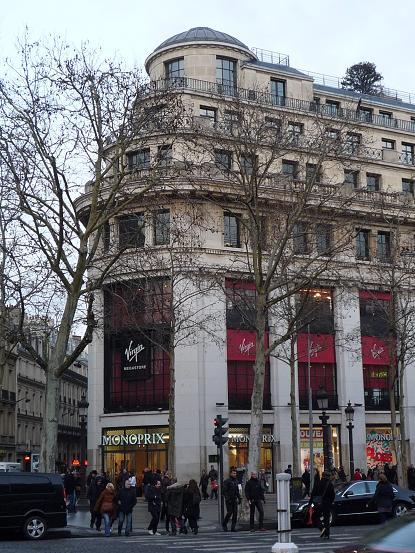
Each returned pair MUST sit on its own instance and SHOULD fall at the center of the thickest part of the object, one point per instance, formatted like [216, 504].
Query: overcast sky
[324, 36]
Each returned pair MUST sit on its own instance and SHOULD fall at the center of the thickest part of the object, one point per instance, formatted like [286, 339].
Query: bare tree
[67, 117]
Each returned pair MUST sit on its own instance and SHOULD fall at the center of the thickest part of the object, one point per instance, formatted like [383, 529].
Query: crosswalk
[241, 542]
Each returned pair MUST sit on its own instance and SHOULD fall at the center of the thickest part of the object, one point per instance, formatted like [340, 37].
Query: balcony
[267, 99]
[378, 400]
[303, 401]
[242, 400]
[114, 407]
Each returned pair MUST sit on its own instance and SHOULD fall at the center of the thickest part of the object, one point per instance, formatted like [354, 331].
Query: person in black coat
[232, 499]
[204, 481]
[191, 502]
[255, 496]
[306, 480]
[322, 497]
[126, 500]
[383, 498]
[153, 496]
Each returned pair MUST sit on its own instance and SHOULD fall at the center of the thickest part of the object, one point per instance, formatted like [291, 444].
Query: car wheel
[34, 528]
[400, 509]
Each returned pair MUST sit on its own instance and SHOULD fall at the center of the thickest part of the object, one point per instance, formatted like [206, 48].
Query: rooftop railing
[267, 99]
[271, 57]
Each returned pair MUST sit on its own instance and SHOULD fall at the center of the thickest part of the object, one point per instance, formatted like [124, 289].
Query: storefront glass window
[318, 447]
[379, 446]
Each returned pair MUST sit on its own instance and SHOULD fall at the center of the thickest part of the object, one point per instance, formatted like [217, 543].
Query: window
[174, 70]
[278, 92]
[131, 230]
[332, 107]
[223, 160]
[240, 305]
[358, 489]
[407, 153]
[208, 112]
[332, 134]
[323, 239]
[374, 316]
[362, 244]
[300, 238]
[248, 164]
[106, 236]
[372, 182]
[139, 159]
[365, 114]
[351, 177]
[226, 74]
[161, 225]
[312, 173]
[315, 308]
[353, 141]
[273, 123]
[240, 384]
[232, 231]
[231, 119]
[383, 246]
[295, 131]
[388, 144]
[290, 168]
[164, 155]
[408, 186]
[386, 117]
[315, 104]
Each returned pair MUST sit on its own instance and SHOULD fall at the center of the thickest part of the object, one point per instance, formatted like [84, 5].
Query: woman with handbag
[105, 505]
[322, 499]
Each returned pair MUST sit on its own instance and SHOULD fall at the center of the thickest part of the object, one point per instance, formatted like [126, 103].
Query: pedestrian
[191, 500]
[322, 498]
[255, 496]
[203, 483]
[411, 477]
[387, 471]
[289, 470]
[105, 505]
[147, 479]
[263, 480]
[357, 475]
[214, 486]
[133, 480]
[126, 500]
[342, 474]
[92, 495]
[122, 477]
[166, 481]
[232, 500]
[383, 498]
[393, 475]
[306, 480]
[174, 498]
[369, 475]
[316, 481]
[70, 490]
[153, 496]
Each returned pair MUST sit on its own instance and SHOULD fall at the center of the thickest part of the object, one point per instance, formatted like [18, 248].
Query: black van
[32, 503]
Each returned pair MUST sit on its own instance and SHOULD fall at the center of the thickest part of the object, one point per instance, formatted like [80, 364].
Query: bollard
[284, 544]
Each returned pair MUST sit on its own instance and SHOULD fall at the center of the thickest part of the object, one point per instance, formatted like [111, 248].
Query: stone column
[350, 385]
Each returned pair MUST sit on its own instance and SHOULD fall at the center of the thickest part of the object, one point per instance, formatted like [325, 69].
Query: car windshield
[397, 536]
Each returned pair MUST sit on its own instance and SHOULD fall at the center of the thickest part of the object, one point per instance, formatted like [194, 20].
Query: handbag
[310, 514]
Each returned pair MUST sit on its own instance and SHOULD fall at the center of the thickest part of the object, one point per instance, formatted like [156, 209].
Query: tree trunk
[394, 428]
[172, 415]
[49, 449]
[293, 408]
[402, 428]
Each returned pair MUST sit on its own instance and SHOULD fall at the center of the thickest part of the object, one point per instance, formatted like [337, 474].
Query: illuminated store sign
[133, 439]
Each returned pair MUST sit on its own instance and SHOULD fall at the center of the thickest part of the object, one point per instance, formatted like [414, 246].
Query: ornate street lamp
[349, 418]
[83, 415]
[322, 398]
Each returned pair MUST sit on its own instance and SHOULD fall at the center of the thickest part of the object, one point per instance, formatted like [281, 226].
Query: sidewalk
[78, 522]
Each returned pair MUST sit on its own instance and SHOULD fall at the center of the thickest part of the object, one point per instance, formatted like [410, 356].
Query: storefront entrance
[134, 449]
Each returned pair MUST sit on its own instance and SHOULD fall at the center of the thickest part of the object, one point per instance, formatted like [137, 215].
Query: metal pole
[351, 453]
[326, 441]
[83, 458]
[310, 410]
[221, 499]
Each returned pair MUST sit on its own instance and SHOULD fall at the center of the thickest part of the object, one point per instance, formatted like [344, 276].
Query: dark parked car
[354, 499]
[397, 536]
[32, 503]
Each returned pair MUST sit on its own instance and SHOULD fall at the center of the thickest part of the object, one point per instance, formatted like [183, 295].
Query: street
[306, 539]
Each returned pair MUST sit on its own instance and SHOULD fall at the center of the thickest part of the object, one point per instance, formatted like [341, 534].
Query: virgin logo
[314, 349]
[376, 351]
[246, 347]
[132, 353]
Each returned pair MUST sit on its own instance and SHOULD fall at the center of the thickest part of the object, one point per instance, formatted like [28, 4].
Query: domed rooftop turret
[204, 35]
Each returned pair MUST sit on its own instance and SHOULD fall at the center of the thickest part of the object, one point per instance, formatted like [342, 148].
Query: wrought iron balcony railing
[268, 99]
[332, 405]
[243, 401]
[379, 400]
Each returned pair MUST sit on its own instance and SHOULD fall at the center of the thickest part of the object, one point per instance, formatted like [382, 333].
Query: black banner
[135, 353]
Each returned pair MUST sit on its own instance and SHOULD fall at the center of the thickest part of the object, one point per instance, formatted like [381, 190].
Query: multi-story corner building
[7, 407]
[129, 376]
[30, 406]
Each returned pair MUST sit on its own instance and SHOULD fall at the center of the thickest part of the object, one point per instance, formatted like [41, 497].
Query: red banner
[321, 348]
[241, 345]
[375, 351]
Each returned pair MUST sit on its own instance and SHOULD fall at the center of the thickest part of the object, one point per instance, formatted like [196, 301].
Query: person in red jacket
[357, 475]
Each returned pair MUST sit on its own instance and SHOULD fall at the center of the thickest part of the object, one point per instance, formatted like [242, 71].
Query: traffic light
[27, 461]
[219, 437]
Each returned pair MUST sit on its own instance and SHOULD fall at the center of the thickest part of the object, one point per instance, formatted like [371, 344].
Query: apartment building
[129, 374]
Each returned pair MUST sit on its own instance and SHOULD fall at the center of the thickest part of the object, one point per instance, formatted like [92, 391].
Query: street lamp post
[349, 418]
[323, 403]
[83, 414]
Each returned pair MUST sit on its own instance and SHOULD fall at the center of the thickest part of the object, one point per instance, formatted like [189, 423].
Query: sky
[324, 36]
